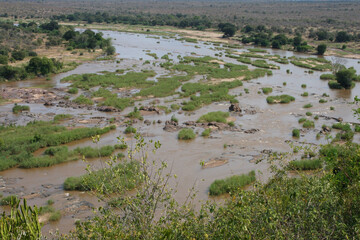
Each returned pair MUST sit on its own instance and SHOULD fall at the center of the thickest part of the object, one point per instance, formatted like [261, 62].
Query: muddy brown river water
[273, 124]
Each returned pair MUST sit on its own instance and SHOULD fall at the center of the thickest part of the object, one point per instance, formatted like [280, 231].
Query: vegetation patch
[267, 90]
[20, 108]
[231, 184]
[186, 134]
[280, 99]
[305, 164]
[124, 175]
[214, 117]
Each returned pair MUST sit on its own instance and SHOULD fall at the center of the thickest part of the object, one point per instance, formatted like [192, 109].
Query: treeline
[176, 20]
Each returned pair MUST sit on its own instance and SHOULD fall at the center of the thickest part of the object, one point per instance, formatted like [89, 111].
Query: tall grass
[186, 134]
[231, 184]
[124, 175]
[305, 164]
[214, 117]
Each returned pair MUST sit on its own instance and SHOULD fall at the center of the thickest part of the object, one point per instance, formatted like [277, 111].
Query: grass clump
[135, 114]
[308, 124]
[73, 90]
[301, 120]
[174, 107]
[309, 105]
[231, 184]
[322, 100]
[327, 76]
[303, 85]
[214, 117]
[55, 216]
[83, 100]
[280, 99]
[130, 129]
[206, 132]
[305, 94]
[89, 152]
[308, 114]
[267, 90]
[20, 108]
[296, 133]
[60, 117]
[186, 134]
[305, 164]
[124, 175]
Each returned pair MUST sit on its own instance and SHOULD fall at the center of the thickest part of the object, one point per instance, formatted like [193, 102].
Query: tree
[39, 65]
[342, 37]
[297, 41]
[228, 29]
[321, 49]
[345, 76]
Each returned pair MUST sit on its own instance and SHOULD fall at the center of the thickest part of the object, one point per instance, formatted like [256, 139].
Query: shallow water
[274, 122]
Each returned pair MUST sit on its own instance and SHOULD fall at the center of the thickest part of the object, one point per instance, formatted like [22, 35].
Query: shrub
[174, 119]
[83, 100]
[280, 99]
[55, 216]
[303, 85]
[130, 129]
[301, 120]
[308, 124]
[206, 132]
[309, 105]
[296, 133]
[327, 76]
[186, 134]
[175, 107]
[305, 164]
[334, 85]
[231, 184]
[4, 59]
[305, 94]
[19, 108]
[60, 117]
[345, 76]
[214, 117]
[322, 101]
[308, 114]
[267, 90]
[73, 90]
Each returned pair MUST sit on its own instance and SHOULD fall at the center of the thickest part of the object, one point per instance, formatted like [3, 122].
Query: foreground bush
[231, 184]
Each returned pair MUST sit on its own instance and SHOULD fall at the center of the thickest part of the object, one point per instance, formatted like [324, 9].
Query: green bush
[308, 114]
[296, 133]
[83, 100]
[280, 99]
[334, 85]
[303, 85]
[231, 184]
[19, 108]
[130, 129]
[186, 134]
[206, 132]
[267, 90]
[214, 117]
[73, 90]
[305, 94]
[308, 124]
[309, 105]
[322, 101]
[327, 76]
[301, 120]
